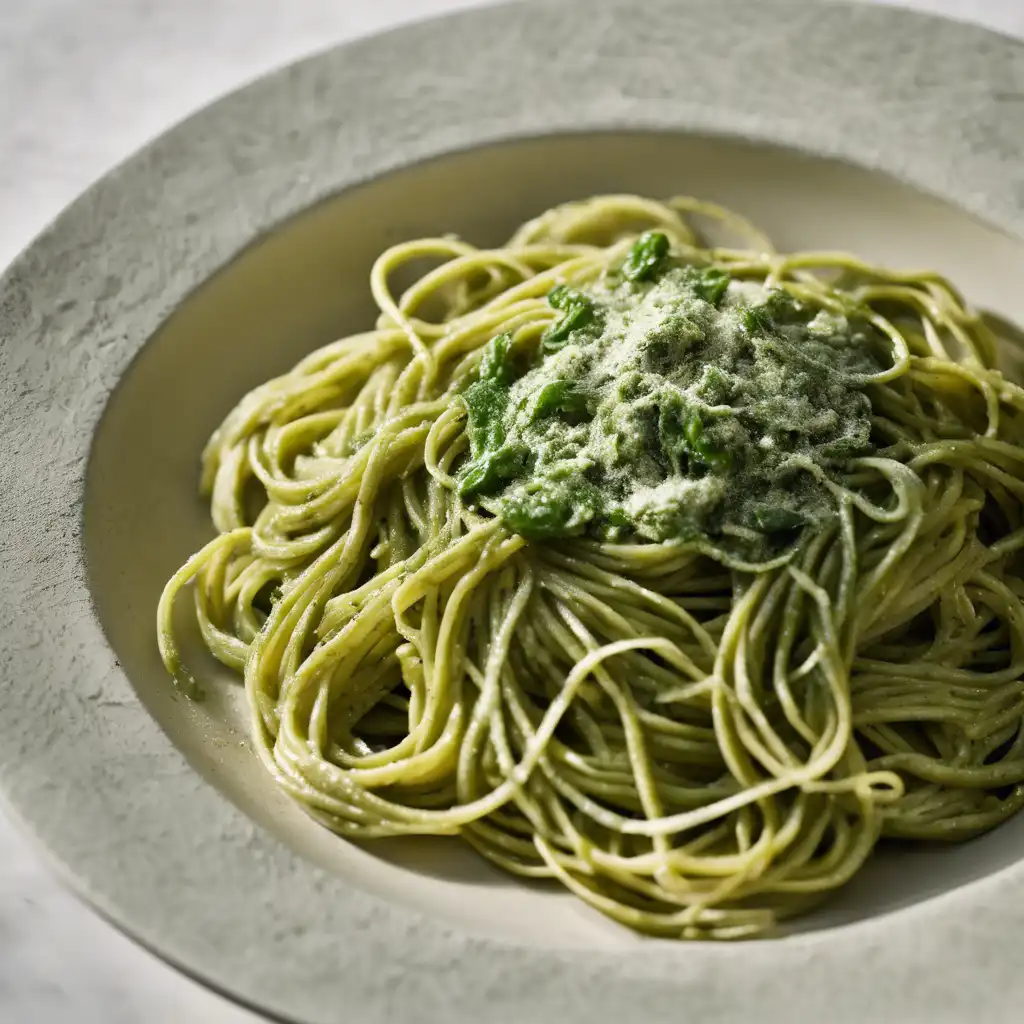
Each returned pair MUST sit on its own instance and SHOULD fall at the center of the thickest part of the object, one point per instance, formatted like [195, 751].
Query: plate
[243, 238]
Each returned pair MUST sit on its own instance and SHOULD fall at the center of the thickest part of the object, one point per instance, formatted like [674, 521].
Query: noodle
[695, 737]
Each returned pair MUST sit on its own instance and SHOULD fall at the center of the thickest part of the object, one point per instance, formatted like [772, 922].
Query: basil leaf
[646, 257]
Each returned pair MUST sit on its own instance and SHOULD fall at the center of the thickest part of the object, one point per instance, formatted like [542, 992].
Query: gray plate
[150, 806]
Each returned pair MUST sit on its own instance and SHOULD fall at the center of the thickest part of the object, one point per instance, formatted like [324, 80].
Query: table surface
[83, 83]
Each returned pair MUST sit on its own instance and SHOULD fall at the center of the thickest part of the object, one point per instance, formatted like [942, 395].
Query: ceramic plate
[242, 239]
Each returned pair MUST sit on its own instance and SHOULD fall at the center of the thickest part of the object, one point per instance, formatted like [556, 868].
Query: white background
[83, 83]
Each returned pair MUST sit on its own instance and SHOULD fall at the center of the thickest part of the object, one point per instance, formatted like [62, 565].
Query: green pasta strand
[697, 744]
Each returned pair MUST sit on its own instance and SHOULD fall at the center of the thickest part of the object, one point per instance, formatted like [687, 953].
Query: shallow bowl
[241, 240]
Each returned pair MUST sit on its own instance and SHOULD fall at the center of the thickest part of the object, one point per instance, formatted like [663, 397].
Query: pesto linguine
[677, 571]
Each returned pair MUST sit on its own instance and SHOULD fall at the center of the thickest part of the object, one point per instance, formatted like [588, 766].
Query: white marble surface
[83, 83]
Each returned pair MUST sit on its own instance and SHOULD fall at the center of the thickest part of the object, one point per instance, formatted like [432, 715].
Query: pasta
[698, 699]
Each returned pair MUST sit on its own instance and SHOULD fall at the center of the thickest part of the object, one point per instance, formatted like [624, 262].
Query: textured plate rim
[156, 849]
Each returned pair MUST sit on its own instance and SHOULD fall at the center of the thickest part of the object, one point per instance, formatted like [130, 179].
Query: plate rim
[92, 775]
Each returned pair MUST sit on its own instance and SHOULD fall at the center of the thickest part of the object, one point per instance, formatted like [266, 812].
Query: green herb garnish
[673, 415]
[703, 448]
[542, 513]
[777, 307]
[646, 257]
[558, 396]
[486, 473]
[486, 402]
[496, 363]
[578, 312]
[710, 284]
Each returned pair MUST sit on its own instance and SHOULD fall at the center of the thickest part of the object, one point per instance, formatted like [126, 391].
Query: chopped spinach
[710, 284]
[558, 396]
[646, 257]
[486, 402]
[540, 513]
[684, 407]
[486, 473]
[496, 363]
[704, 448]
[578, 311]
[685, 441]
[777, 307]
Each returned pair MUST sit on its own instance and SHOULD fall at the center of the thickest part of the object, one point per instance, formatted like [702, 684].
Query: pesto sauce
[670, 402]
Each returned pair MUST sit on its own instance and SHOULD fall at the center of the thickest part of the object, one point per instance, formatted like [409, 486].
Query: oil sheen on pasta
[638, 555]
